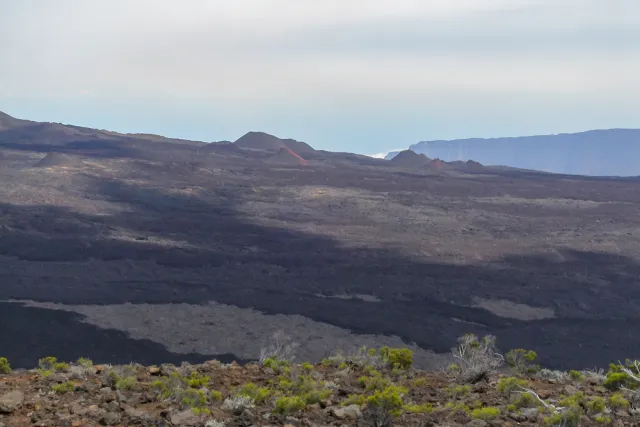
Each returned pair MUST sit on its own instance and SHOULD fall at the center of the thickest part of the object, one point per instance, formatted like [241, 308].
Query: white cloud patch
[384, 154]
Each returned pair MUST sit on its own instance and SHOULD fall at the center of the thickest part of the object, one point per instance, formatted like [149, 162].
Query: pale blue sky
[352, 75]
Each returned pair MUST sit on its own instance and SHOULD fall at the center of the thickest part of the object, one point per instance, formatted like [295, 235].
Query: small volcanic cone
[410, 159]
[53, 160]
[260, 141]
[286, 156]
[436, 165]
[473, 165]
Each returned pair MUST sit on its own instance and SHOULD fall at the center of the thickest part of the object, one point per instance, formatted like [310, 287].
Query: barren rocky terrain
[140, 248]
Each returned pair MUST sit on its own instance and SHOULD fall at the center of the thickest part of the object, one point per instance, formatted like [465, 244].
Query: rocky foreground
[371, 388]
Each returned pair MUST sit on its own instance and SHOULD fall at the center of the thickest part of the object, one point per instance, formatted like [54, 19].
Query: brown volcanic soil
[347, 243]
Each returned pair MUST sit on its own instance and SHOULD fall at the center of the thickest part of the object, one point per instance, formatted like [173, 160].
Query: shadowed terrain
[202, 250]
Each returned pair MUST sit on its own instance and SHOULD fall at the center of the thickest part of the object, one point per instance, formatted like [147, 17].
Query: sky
[364, 76]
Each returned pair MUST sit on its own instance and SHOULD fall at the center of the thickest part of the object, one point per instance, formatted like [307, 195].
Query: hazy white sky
[356, 75]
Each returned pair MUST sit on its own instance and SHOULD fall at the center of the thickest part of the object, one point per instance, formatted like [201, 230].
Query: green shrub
[524, 400]
[305, 387]
[196, 380]
[5, 368]
[569, 417]
[278, 366]
[286, 405]
[603, 419]
[388, 400]
[194, 399]
[307, 367]
[456, 391]
[576, 376]
[316, 396]
[475, 404]
[84, 362]
[216, 396]
[522, 361]
[354, 399]
[485, 414]
[255, 393]
[419, 382]
[61, 367]
[397, 358]
[125, 383]
[508, 385]
[169, 387]
[47, 363]
[374, 382]
[596, 405]
[425, 408]
[458, 407]
[617, 379]
[618, 401]
[63, 388]
[576, 399]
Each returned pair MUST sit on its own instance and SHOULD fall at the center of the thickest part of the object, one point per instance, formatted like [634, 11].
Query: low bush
[125, 383]
[618, 401]
[603, 419]
[485, 414]
[63, 388]
[425, 408]
[255, 393]
[5, 367]
[523, 361]
[523, 400]
[238, 404]
[196, 380]
[456, 391]
[475, 358]
[397, 358]
[508, 385]
[84, 362]
[287, 405]
[194, 399]
[354, 399]
[596, 405]
[375, 381]
[576, 376]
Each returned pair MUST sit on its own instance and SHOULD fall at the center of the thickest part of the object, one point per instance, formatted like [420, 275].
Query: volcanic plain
[124, 247]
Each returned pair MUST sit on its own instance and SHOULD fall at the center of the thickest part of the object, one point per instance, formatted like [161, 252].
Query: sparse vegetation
[238, 404]
[508, 385]
[84, 362]
[618, 401]
[255, 393]
[5, 367]
[523, 361]
[280, 348]
[287, 405]
[475, 358]
[485, 414]
[369, 392]
[63, 388]
[576, 376]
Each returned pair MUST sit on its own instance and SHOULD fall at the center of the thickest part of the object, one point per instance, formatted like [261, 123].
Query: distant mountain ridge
[612, 152]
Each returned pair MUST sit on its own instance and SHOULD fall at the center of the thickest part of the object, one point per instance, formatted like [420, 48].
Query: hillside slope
[613, 152]
[131, 247]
